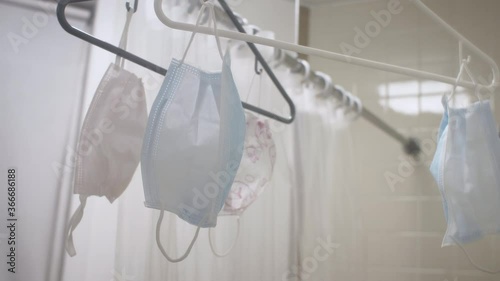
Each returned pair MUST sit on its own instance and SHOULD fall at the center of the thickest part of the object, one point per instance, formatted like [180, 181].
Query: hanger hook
[127, 5]
[258, 70]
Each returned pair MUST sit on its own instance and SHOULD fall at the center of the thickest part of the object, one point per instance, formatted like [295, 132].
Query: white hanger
[345, 58]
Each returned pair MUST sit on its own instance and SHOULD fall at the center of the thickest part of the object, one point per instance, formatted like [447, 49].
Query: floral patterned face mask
[254, 173]
[256, 167]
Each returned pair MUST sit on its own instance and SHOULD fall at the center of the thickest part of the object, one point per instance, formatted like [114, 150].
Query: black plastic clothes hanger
[61, 16]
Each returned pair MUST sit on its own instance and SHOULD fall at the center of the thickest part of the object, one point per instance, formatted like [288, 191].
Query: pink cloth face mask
[256, 168]
[110, 142]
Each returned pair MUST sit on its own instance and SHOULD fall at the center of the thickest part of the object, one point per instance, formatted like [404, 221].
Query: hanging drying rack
[61, 6]
[410, 145]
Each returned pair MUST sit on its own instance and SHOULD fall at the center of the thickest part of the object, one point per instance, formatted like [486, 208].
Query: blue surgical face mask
[193, 144]
[466, 167]
[436, 161]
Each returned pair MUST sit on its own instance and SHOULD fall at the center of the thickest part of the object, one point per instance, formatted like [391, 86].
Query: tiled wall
[403, 223]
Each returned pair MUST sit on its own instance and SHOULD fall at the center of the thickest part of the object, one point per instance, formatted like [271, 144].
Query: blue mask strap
[210, 5]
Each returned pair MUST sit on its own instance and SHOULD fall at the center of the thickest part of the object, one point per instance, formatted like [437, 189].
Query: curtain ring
[327, 81]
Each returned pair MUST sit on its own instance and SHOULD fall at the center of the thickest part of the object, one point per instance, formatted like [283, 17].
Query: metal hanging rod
[410, 145]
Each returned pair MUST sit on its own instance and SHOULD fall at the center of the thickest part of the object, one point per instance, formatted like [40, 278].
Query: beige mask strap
[73, 223]
[123, 41]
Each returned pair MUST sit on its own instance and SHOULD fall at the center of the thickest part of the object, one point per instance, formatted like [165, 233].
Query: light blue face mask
[466, 167]
[194, 143]
[436, 161]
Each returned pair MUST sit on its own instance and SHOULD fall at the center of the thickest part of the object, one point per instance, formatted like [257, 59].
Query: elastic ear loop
[198, 22]
[160, 246]
[460, 72]
[478, 267]
[251, 86]
[123, 41]
[73, 223]
[476, 86]
[212, 244]
[464, 66]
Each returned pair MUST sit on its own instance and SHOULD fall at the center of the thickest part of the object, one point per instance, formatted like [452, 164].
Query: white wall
[276, 15]
[404, 226]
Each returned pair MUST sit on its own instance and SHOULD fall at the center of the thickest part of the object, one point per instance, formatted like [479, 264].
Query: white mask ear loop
[480, 268]
[260, 89]
[464, 66]
[160, 246]
[212, 244]
[460, 72]
[251, 86]
[123, 41]
[210, 5]
[476, 86]
[73, 223]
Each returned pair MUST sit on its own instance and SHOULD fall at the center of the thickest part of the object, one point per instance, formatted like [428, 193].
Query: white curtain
[326, 208]
[308, 204]
[40, 108]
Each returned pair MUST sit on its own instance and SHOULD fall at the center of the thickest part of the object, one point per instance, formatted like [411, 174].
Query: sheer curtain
[326, 208]
[40, 108]
[308, 204]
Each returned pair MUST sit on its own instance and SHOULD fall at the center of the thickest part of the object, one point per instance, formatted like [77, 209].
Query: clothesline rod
[337, 56]
[379, 123]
